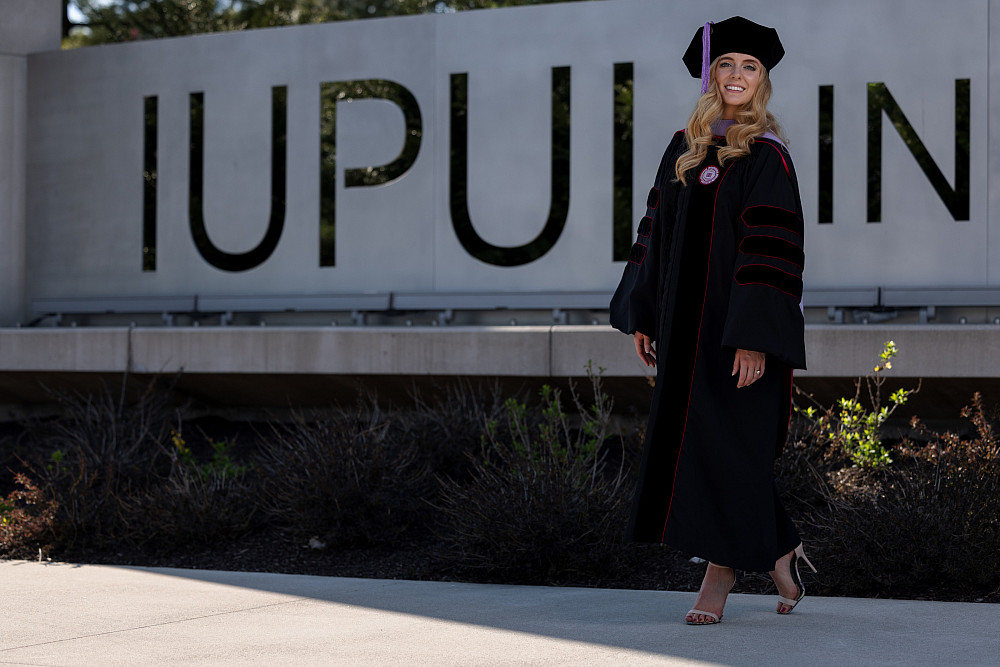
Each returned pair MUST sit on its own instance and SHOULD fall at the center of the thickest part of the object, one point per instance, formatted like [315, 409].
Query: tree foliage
[108, 21]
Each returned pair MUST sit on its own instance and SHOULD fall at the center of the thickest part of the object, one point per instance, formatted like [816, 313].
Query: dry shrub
[26, 516]
[541, 506]
[98, 452]
[200, 501]
[445, 427]
[340, 477]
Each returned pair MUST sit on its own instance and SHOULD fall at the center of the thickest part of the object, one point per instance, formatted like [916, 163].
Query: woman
[711, 295]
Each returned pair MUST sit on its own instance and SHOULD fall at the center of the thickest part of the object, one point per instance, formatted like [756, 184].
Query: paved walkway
[62, 614]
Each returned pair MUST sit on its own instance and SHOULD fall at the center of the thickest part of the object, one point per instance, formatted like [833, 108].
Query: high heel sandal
[793, 571]
[715, 618]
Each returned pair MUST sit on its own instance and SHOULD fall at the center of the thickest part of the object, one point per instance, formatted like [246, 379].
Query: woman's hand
[749, 365]
[644, 348]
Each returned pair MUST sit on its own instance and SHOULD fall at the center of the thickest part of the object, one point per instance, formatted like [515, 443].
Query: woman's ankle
[719, 567]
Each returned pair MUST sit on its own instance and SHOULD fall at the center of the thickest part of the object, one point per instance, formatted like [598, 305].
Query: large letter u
[209, 251]
[458, 195]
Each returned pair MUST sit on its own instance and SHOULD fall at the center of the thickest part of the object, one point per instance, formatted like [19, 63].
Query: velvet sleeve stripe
[774, 247]
[637, 254]
[653, 198]
[645, 226]
[772, 216]
[761, 274]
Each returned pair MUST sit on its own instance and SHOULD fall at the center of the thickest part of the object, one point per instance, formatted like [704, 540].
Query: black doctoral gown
[717, 266]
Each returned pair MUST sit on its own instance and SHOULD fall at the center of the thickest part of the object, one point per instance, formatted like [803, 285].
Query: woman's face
[737, 75]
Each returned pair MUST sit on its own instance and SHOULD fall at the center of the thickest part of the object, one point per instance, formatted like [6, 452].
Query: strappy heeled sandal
[715, 618]
[793, 570]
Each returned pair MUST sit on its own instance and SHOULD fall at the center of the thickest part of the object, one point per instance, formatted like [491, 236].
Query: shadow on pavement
[821, 631]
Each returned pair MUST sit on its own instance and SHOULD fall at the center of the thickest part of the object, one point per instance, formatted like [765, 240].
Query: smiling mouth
[735, 89]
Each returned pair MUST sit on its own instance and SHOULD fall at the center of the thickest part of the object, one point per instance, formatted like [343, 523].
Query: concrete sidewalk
[62, 614]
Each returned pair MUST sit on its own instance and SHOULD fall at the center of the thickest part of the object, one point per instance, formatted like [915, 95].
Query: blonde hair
[752, 120]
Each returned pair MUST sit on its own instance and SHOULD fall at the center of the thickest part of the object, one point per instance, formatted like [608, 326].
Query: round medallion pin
[708, 175]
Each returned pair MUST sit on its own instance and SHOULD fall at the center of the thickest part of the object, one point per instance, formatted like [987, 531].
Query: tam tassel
[706, 56]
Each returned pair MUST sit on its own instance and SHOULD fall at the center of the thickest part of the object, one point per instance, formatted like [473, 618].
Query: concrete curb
[929, 351]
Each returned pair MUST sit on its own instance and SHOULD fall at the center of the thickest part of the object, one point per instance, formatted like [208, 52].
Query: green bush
[853, 429]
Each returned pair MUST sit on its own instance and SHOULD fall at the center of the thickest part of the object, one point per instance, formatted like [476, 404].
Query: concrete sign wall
[478, 152]
[26, 26]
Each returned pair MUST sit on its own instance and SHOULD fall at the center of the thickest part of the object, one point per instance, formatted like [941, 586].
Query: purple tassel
[706, 56]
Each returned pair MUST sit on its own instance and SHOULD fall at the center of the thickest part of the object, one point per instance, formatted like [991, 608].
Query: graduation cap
[734, 35]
